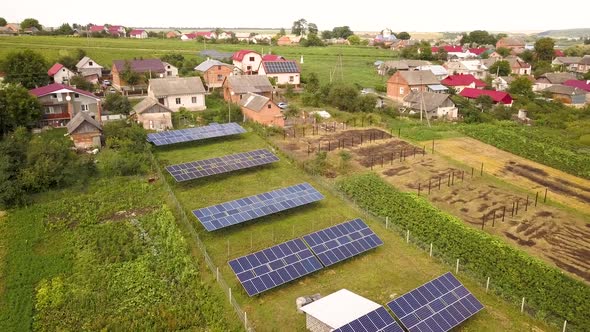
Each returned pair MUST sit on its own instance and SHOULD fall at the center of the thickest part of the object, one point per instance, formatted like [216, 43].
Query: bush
[126, 151]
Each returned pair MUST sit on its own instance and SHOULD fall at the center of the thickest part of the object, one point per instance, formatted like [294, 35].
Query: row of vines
[555, 296]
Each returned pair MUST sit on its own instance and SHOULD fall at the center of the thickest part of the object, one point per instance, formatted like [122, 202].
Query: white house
[177, 92]
[243, 36]
[89, 69]
[60, 74]
[171, 71]
[473, 67]
[247, 61]
[435, 105]
[138, 33]
[283, 72]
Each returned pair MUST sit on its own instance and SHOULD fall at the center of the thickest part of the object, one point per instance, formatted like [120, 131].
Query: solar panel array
[202, 168]
[195, 134]
[438, 305]
[378, 320]
[274, 266]
[337, 243]
[252, 207]
[277, 67]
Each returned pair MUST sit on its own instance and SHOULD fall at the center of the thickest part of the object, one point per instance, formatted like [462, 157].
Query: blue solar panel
[378, 320]
[194, 134]
[202, 168]
[438, 305]
[340, 242]
[274, 266]
[252, 207]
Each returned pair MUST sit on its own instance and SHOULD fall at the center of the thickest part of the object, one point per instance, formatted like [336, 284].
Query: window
[269, 106]
[220, 77]
[168, 66]
[151, 124]
[90, 63]
[177, 101]
[401, 91]
[76, 95]
[252, 59]
[84, 107]
[49, 110]
[218, 67]
[194, 100]
[54, 95]
[291, 79]
[248, 68]
[169, 73]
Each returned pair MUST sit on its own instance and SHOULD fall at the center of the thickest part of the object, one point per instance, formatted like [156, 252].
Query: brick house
[235, 87]
[262, 110]
[150, 68]
[284, 41]
[513, 44]
[177, 92]
[85, 131]
[152, 115]
[214, 72]
[402, 83]
[60, 74]
[283, 72]
[247, 61]
[519, 66]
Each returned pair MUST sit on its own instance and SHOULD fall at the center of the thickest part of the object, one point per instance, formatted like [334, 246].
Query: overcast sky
[371, 15]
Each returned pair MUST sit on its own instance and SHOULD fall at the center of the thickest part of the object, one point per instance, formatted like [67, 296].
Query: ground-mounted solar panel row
[195, 134]
[256, 206]
[207, 167]
[378, 320]
[256, 278]
[438, 305]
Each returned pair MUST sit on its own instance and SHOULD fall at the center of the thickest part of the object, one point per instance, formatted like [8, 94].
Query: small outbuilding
[262, 110]
[152, 115]
[85, 131]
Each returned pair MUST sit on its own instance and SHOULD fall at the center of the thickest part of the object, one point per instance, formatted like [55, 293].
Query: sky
[368, 15]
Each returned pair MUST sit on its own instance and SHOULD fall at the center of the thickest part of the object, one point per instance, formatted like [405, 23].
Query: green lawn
[357, 61]
[390, 270]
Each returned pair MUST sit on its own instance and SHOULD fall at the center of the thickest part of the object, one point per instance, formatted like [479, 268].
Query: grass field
[357, 61]
[380, 274]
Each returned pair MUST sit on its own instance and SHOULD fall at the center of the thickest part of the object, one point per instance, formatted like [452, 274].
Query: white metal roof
[340, 308]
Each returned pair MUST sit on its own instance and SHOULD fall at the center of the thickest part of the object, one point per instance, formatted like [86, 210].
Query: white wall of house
[192, 102]
[171, 71]
[287, 78]
[142, 35]
[63, 76]
[447, 112]
[250, 62]
[90, 68]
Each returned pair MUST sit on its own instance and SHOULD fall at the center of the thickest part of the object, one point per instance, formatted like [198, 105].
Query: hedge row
[514, 273]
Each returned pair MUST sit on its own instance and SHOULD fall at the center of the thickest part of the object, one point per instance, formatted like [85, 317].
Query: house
[117, 31]
[85, 131]
[467, 67]
[402, 83]
[138, 33]
[436, 105]
[447, 48]
[567, 94]
[151, 68]
[61, 103]
[401, 44]
[171, 34]
[31, 31]
[558, 53]
[243, 36]
[207, 35]
[284, 41]
[386, 37]
[247, 61]
[584, 64]
[215, 54]
[272, 57]
[60, 74]
[337, 310]
[225, 35]
[237, 86]
[10, 29]
[214, 72]
[407, 64]
[515, 45]
[89, 69]
[262, 110]
[152, 115]
[460, 82]
[518, 66]
[177, 92]
[97, 29]
[188, 36]
[497, 96]
[478, 51]
[567, 63]
[582, 85]
[439, 71]
[283, 72]
[501, 83]
[548, 79]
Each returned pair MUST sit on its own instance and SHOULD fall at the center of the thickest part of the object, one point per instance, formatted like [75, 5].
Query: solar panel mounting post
[386, 222]
[457, 267]
[408, 236]
[522, 306]
[488, 285]
[431, 249]
[564, 325]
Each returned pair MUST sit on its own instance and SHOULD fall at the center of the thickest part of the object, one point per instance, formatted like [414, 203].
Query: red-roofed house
[171, 34]
[188, 36]
[284, 41]
[97, 28]
[138, 33]
[60, 74]
[247, 61]
[558, 53]
[497, 96]
[580, 84]
[206, 34]
[117, 31]
[448, 49]
[460, 82]
[272, 57]
[478, 50]
[61, 103]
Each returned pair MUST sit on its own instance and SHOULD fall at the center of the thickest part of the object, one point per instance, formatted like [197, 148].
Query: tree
[367, 103]
[441, 54]
[117, 104]
[544, 48]
[501, 68]
[27, 68]
[354, 40]
[343, 96]
[587, 75]
[313, 83]
[130, 76]
[481, 37]
[81, 83]
[311, 40]
[342, 32]
[30, 23]
[503, 51]
[80, 53]
[299, 27]
[291, 112]
[68, 62]
[521, 87]
[3, 22]
[542, 67]
[425, 51]
[403, 35]
[485, 102]
[64, 29]
[312, 28]
[282, 32]
[327, 34]
[528, 56]
[18, 108]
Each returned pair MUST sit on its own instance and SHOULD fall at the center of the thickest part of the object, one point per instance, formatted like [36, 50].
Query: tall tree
[342, 32]
[17, 108]
[503, 51]
[3, 22]
[64, 29]
[544, 48]
[311, 40]
[130, 76]
[282, 32]
[354, 39]
[299, 27]
[502, 68]
[313, 83]
[81, 83]
[521, 87]
[403, 35]
[68, 61]
[80, 53]
[30, 23]
[312, 28]
[327, 34]
[27, 67]
[117, 104]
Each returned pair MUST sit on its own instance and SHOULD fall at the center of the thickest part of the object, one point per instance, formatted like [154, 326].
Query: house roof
[585, 60]
[463, 80]
[497, 96]
[205, 34]
[478, 50]
[272, 57]
[399, 65]
[340, 308]
[136, 32]
[215, 54]
[568, 60]
[437, 70]
[171, 86]
[249, 83]
[141, 66]
[239, 55]
[419, 77]
[558, 78]
[428, 100]
[510, 41]
[583, 85]
[84, 61]
[191, 35]
[281, 67]
[561, 89]
[59, 88]
[558, 53]
[115, 28]
[254, 101]
[54, 69]
[146, 104]
[448, 49]
[96, 28]
[516, 62]
[207, 64]
[79, 119]
[284, 39]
